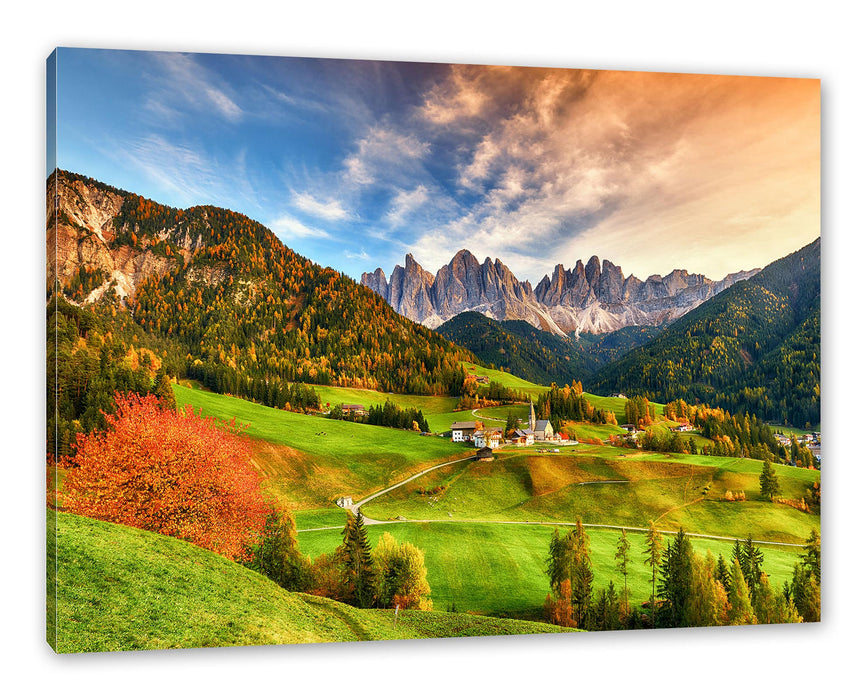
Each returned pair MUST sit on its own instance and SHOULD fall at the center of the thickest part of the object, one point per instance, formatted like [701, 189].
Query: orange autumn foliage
[170, 472]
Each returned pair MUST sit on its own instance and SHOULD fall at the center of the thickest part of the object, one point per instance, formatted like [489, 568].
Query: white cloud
[330, 209]
[385, 156]
[187, 81]
[405, 203]
[287, 226]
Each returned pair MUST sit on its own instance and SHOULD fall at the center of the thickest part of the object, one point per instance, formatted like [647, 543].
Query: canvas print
[345, 350]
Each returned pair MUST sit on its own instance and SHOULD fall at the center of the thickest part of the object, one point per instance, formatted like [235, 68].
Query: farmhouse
[522, 437]
[354, 409]
[490, 438]
[485, 454]
[464, 431]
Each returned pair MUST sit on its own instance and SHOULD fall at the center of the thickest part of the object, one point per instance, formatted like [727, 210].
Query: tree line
[388, 415]
[687, 589]
[568, 403]
[385, 576]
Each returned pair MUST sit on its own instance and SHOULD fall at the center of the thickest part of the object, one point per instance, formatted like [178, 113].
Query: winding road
[355, 507]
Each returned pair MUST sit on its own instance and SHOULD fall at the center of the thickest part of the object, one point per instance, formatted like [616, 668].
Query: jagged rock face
[463, 284]
[594, 298]
[80, 233]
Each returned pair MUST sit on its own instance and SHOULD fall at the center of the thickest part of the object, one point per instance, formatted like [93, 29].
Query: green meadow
[496, 569]
[310, 461]
[603, 489]
[119, 588]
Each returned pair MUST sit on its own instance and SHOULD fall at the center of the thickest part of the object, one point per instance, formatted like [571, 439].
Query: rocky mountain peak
[595, 298]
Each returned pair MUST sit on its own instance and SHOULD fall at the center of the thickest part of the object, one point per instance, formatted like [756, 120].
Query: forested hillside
[218, 297]
[537, 355]
[753, 348]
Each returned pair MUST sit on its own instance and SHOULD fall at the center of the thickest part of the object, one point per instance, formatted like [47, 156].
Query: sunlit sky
[356, 163]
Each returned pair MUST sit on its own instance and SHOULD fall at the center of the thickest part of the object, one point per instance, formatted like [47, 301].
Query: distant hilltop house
[618, 396]
[683, 427]
[479, 379]
[464, 431]
[783, 440]
[354, 409]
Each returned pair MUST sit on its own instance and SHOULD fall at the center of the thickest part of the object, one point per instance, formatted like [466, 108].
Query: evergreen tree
[812, 556]
[605, 615]
[806, 594]
[558, 560]
[769, 481]
[621, 557]
[276, 554]
[654, 560]
[723, 573]
[740, 612]
[751, 559]
[581, 574]
[356, 563]
[511, 422]
[676, 580]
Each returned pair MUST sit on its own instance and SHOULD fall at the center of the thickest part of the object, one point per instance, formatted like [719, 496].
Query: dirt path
[368, 521]
[598, 526]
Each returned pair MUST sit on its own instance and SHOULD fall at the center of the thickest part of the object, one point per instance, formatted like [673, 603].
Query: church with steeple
[541, 429]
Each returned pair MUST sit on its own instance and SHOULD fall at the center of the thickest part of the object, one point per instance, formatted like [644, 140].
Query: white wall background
[793, 39]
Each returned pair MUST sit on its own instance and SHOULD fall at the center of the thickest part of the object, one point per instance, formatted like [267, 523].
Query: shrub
[171, 472]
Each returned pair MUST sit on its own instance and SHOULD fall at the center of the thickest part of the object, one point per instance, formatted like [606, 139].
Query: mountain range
[756, 348]
[209, 294]
[593, 298]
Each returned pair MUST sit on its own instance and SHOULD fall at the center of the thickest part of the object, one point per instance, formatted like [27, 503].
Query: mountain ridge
[594, 298]
[251, 315]
[755, 347]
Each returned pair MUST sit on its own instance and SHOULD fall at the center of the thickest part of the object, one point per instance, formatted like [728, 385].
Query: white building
[463, 431]
[489, 438]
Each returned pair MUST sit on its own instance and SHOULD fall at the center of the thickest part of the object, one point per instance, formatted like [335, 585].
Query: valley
[495, 519]
[491, 440]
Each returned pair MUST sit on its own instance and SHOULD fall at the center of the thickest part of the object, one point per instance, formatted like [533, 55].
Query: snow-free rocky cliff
[594, 298]
[80, 233]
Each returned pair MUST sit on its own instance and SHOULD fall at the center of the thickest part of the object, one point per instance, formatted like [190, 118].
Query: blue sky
[355, 163]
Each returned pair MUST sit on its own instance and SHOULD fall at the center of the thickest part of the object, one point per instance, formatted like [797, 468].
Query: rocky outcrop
[80, 234]
[592, 298]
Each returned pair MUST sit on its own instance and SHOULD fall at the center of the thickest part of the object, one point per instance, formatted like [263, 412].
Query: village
[489, 439]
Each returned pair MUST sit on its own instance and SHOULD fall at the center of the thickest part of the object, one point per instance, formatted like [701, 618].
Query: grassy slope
[120, 588]
[311, 461]
[526, 486]
[500, 569]
[506, 562]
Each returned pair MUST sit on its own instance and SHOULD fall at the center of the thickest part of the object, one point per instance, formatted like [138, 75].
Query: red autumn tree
[172, 472]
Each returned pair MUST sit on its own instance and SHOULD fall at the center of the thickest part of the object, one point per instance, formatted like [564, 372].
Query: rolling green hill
[119, 588]
[754, 348]
[310, 461]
